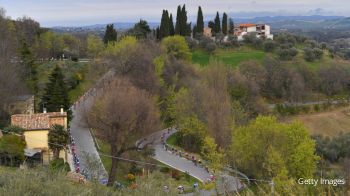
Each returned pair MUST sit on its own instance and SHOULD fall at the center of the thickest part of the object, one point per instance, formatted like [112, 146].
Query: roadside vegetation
[215, 92]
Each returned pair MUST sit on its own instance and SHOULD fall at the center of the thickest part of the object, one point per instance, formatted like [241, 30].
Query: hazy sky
[87, 12]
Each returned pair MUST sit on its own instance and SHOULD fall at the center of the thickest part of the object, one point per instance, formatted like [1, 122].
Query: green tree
[172, 28]
[165, 25]
[212, 154]
[140, 30]
[200, 22]
[217, 24]
[184, 25]
[56, 94]
[57, 140]
[266, 147]
[178, 21]
[110, 34]
[12, 150]
[224, 24]
[177, 47]
[192, 133]
[94, 45]
[231, 29]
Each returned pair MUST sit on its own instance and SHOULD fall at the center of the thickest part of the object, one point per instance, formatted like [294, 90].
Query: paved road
[84, 142]
[225, 182]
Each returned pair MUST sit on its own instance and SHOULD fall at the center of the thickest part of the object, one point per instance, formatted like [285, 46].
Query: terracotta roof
[247, 25]
[40, 121]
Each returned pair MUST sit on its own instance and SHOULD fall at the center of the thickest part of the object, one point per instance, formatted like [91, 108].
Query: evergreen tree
[195, 31]
[158, 33]
[217, 25]
[178, 20]
[224, 24]
[200, 22]
[231, 26]
[184, 26]
[165, 25]
[110, 34]
[172, 28]
[57, 135]
[56, 93]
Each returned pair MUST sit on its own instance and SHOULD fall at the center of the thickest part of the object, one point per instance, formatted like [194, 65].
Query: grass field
[229, 57]
[330, 123]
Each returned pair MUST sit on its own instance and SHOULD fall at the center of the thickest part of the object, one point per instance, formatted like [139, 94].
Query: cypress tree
[224, 24]
[231, 26]
[217, 25]
[195, 31]
[158, 33]
[172, 29]
[178, 20]
[165, 25]
[110, 34]
[200, 21]
[56, 93]
[184, 25]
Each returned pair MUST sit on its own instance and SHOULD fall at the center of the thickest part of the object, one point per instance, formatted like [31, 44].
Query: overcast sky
[88, 12]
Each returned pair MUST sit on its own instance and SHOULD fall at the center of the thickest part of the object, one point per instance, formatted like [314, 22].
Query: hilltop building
[36, 128]
[261, 30]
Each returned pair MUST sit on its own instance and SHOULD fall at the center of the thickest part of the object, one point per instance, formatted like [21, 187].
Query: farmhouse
[36, 128]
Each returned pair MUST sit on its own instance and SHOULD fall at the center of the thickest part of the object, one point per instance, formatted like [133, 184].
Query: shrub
[269, 46]
[14, 129]
[59, 165]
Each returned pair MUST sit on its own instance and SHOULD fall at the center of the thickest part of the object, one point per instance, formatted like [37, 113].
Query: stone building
[23, 104]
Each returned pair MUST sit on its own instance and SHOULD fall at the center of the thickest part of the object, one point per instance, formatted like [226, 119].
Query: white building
[259, 29]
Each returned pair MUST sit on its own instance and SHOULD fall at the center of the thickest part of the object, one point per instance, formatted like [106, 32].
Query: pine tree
[178, 20]
[110, 34]
[217, 25]
[224, 24]
[231, 26]
[200, 22]
[172, 28]
[56, 93]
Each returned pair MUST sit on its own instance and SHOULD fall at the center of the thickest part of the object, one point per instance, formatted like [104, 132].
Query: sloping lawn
[230, 57]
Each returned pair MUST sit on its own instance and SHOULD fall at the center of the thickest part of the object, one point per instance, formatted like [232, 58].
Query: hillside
[329, 123]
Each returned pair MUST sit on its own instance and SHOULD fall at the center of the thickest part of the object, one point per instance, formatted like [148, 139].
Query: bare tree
[122, 115]
[217, 104]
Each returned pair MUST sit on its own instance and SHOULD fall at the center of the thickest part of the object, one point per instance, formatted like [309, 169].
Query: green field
[229, 57]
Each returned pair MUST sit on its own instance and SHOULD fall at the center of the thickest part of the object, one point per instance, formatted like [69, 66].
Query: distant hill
[277, 22]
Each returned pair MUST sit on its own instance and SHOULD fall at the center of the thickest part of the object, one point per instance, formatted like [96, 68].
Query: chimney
[44, 110]
[62, 111]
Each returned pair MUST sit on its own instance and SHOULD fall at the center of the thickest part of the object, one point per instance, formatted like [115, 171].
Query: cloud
[83, 12]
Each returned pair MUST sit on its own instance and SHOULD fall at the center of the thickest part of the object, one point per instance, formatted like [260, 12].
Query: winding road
[84, 142]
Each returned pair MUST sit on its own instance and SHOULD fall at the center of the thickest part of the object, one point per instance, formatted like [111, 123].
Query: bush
[59, 165]
[287, 54]
[14, 129]
[177, 47]
[269, 46]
